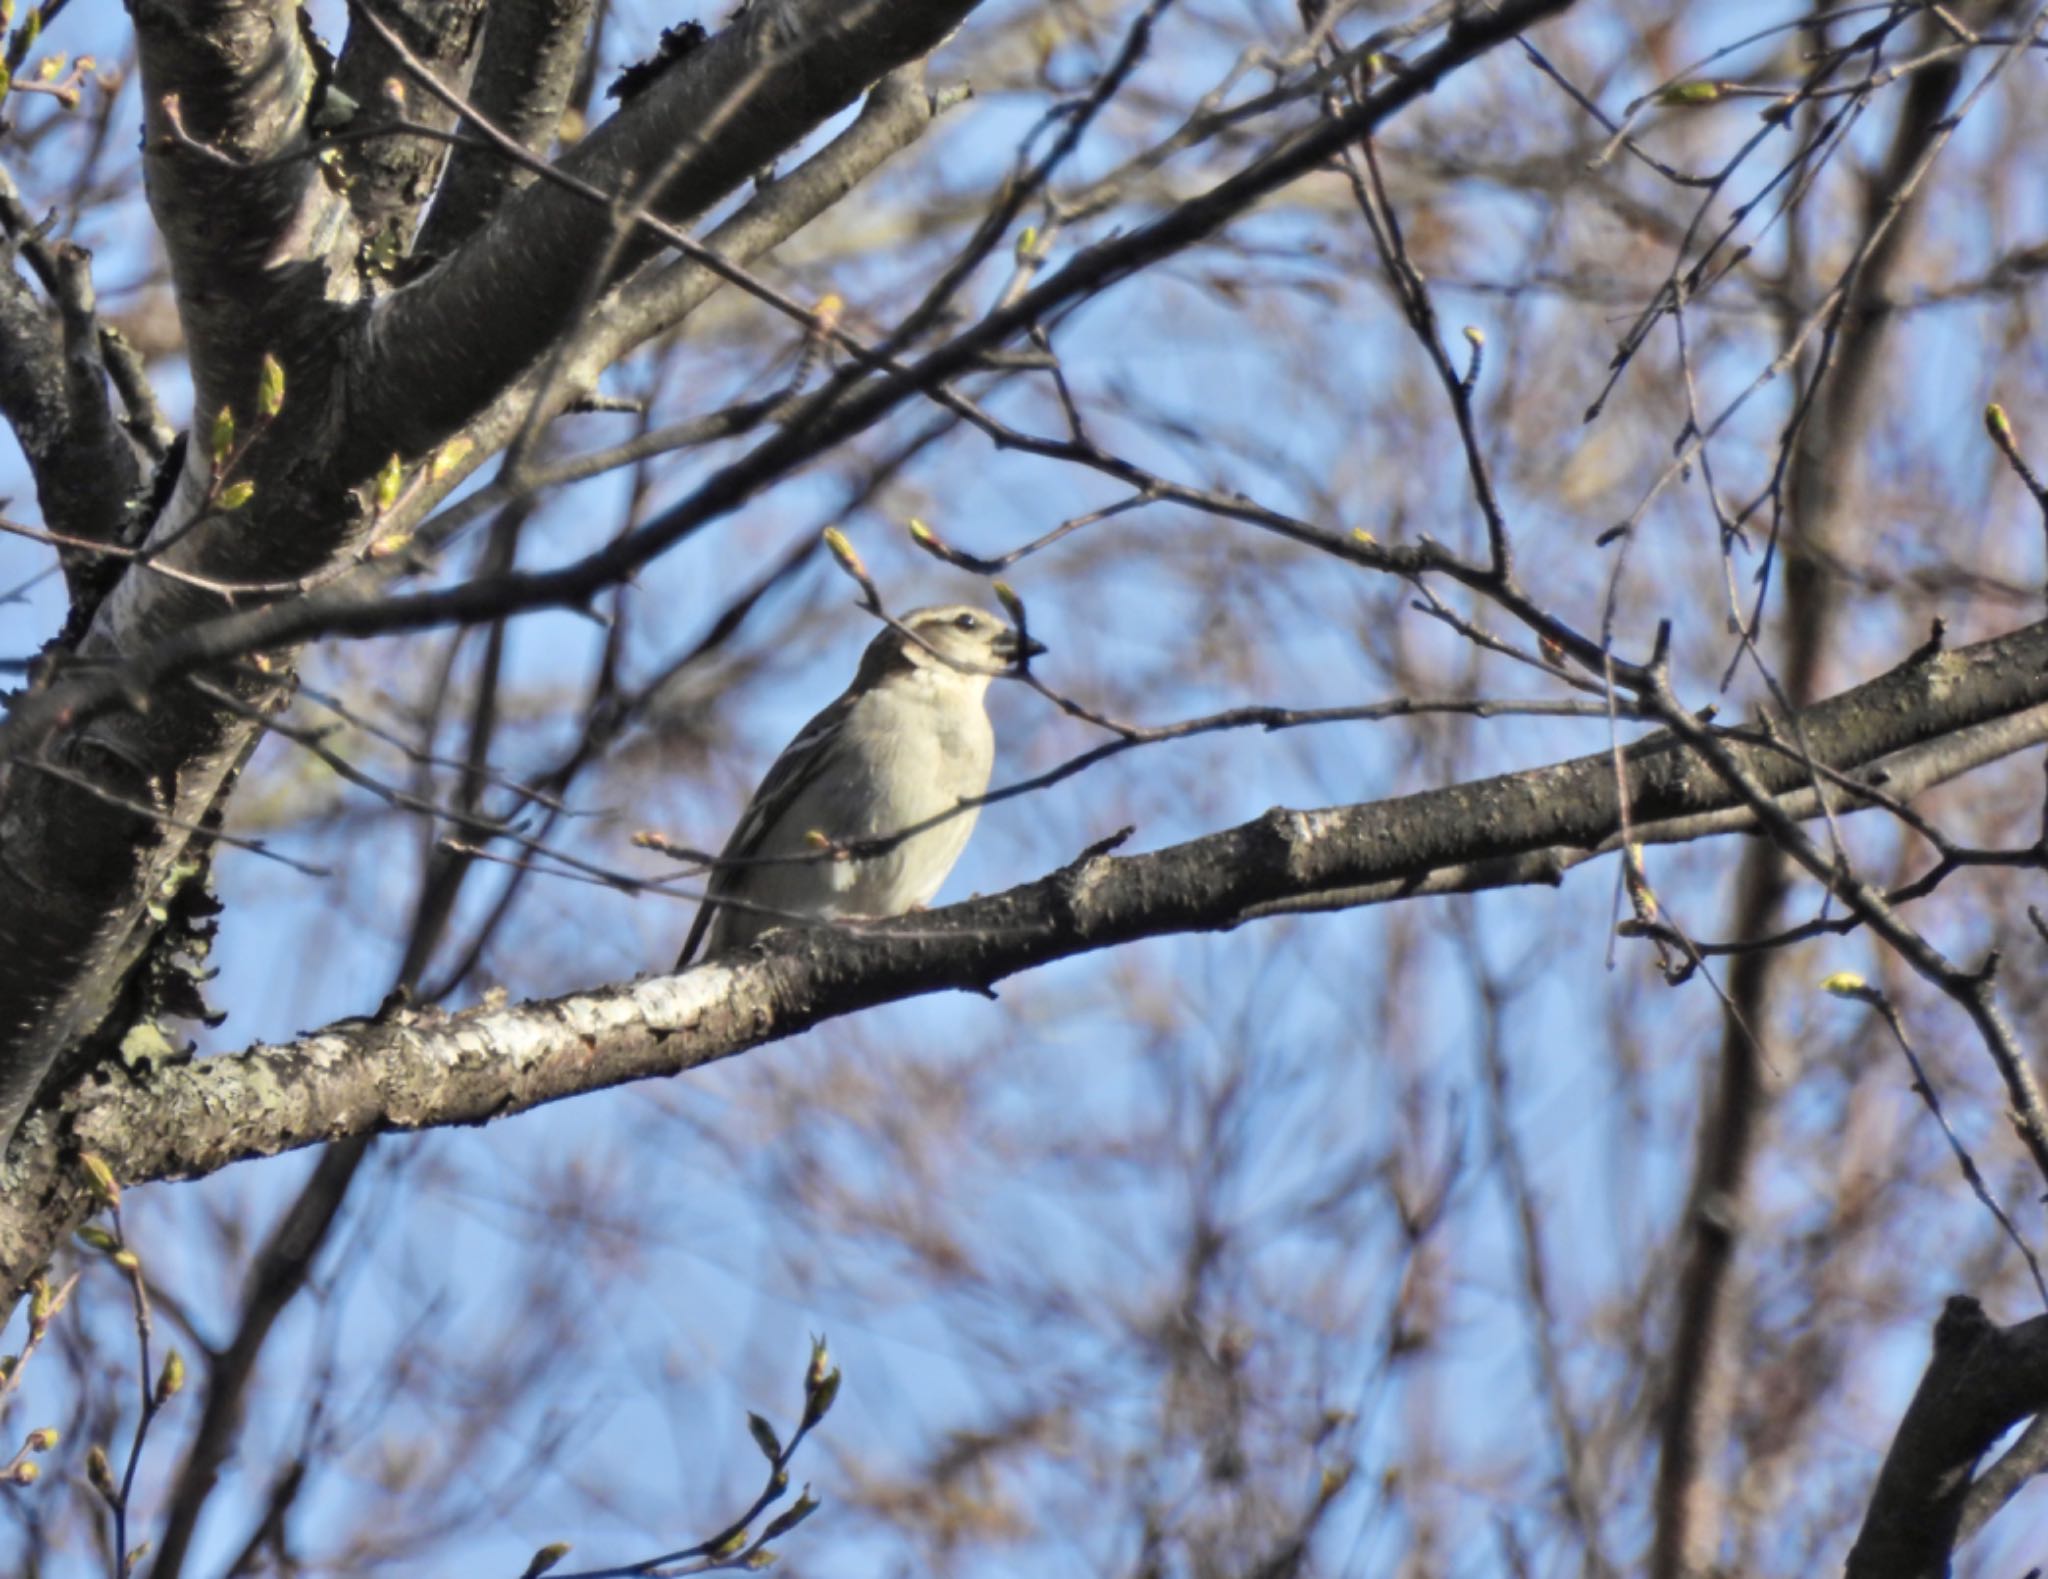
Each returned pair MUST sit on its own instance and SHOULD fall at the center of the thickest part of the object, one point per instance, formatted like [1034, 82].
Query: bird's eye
[967, 622]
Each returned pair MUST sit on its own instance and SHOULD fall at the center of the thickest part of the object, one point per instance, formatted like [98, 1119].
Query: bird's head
[956, 636]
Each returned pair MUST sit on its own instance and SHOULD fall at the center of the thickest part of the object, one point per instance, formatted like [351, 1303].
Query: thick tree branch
[532, 53]
[262, 248]
[411, 1070]
[53, 394]
[447, 344]
[1981, 1381]
[898, 111]
[391, 178]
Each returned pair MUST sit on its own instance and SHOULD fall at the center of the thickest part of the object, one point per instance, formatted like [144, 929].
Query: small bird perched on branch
[903, 745]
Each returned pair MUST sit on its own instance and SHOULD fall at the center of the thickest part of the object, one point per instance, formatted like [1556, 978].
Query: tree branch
[255, 241]
[528, 66]
[53, 394]
[1981, 1380]
[412, 1070]
[391, 178]
[442, 347]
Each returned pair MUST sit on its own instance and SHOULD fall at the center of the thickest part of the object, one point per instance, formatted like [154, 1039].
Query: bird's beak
[1016, 647]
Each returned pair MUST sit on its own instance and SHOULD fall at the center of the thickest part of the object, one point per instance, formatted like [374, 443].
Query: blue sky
[1064, 1135]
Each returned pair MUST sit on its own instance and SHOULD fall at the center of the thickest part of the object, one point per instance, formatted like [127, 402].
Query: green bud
[100, 1178]
[821, 1398]
[545, 1558]
[450, 456]
[842, 550]
[732, 1544]
[806, 1505]
[100, 1471]
[388, 482]
[270, 387]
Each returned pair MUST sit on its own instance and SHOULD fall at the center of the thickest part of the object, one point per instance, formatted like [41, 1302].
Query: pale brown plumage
[905, 743]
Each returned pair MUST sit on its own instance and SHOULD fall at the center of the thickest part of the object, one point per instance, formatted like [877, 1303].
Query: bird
[904, 744]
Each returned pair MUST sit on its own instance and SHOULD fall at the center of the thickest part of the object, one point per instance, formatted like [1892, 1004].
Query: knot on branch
[1962, 1327]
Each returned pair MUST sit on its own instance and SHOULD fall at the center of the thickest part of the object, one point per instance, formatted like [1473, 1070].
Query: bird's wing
[802, 760]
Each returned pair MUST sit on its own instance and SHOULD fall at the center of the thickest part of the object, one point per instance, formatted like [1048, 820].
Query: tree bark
[1981, 1381]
